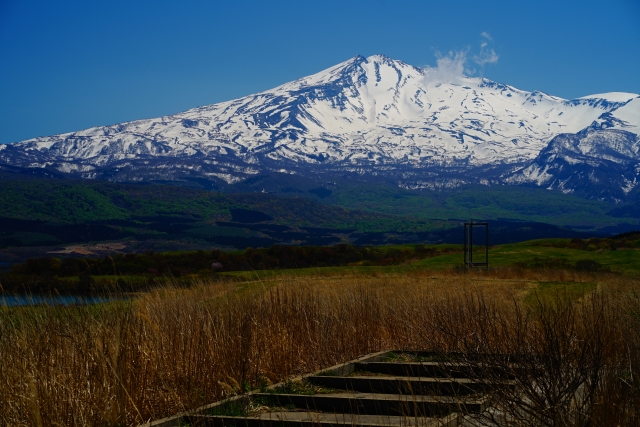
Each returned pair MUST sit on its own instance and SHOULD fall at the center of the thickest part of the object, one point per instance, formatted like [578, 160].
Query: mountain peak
[372, 116]
[379, 58]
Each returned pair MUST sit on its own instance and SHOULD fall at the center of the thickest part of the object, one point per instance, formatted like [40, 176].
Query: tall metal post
[471, 242]
[468, 244]
[466, 248]
[486, 244]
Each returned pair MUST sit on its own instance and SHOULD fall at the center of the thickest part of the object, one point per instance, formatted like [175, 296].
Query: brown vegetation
[175, 349]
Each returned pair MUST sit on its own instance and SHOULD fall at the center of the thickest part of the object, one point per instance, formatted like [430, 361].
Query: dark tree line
[177, 264]
[629, 240]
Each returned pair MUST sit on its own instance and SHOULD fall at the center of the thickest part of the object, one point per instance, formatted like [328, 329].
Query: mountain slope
[601, 161]
[56, 212]
[368, 116]
[72, 217]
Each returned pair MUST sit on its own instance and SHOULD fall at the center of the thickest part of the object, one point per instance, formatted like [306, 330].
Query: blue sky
[69, 65]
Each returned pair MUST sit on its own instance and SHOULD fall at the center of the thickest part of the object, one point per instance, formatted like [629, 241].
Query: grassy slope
[626, 262]
[621, 261]
[367, 208]
[57, 201]
[478, 202]
[75, 202]
[79, 202]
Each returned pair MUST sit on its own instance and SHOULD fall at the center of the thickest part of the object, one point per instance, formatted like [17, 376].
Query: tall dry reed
[171, 350]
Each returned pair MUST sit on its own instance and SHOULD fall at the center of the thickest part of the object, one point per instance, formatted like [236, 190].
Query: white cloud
[453, 66]
[450, 67]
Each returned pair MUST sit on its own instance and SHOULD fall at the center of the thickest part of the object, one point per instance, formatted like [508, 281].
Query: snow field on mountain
[372, 112]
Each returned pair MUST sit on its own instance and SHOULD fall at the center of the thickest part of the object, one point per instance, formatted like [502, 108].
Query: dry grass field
[170, 350]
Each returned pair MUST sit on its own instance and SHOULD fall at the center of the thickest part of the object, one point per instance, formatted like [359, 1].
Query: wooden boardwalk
[381, 389]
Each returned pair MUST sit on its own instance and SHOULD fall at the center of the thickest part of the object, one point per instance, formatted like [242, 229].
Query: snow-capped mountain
[601, 161]
[373, 116]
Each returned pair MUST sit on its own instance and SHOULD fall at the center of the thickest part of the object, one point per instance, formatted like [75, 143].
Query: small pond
[64, 300]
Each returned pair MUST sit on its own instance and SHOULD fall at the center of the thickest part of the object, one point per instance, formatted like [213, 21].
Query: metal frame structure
[468, 244]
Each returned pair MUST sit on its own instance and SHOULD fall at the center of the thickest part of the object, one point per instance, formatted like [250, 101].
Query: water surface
[63, 300]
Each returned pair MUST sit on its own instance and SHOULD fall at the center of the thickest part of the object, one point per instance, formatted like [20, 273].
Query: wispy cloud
[487, 54]
[454, 65]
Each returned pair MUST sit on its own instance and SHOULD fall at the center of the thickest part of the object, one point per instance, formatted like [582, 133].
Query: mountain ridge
[371, 117]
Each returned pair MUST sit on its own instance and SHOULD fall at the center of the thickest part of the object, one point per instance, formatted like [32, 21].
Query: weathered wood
[379, 389]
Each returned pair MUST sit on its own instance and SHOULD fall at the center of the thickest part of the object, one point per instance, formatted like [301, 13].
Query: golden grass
[173, 349]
